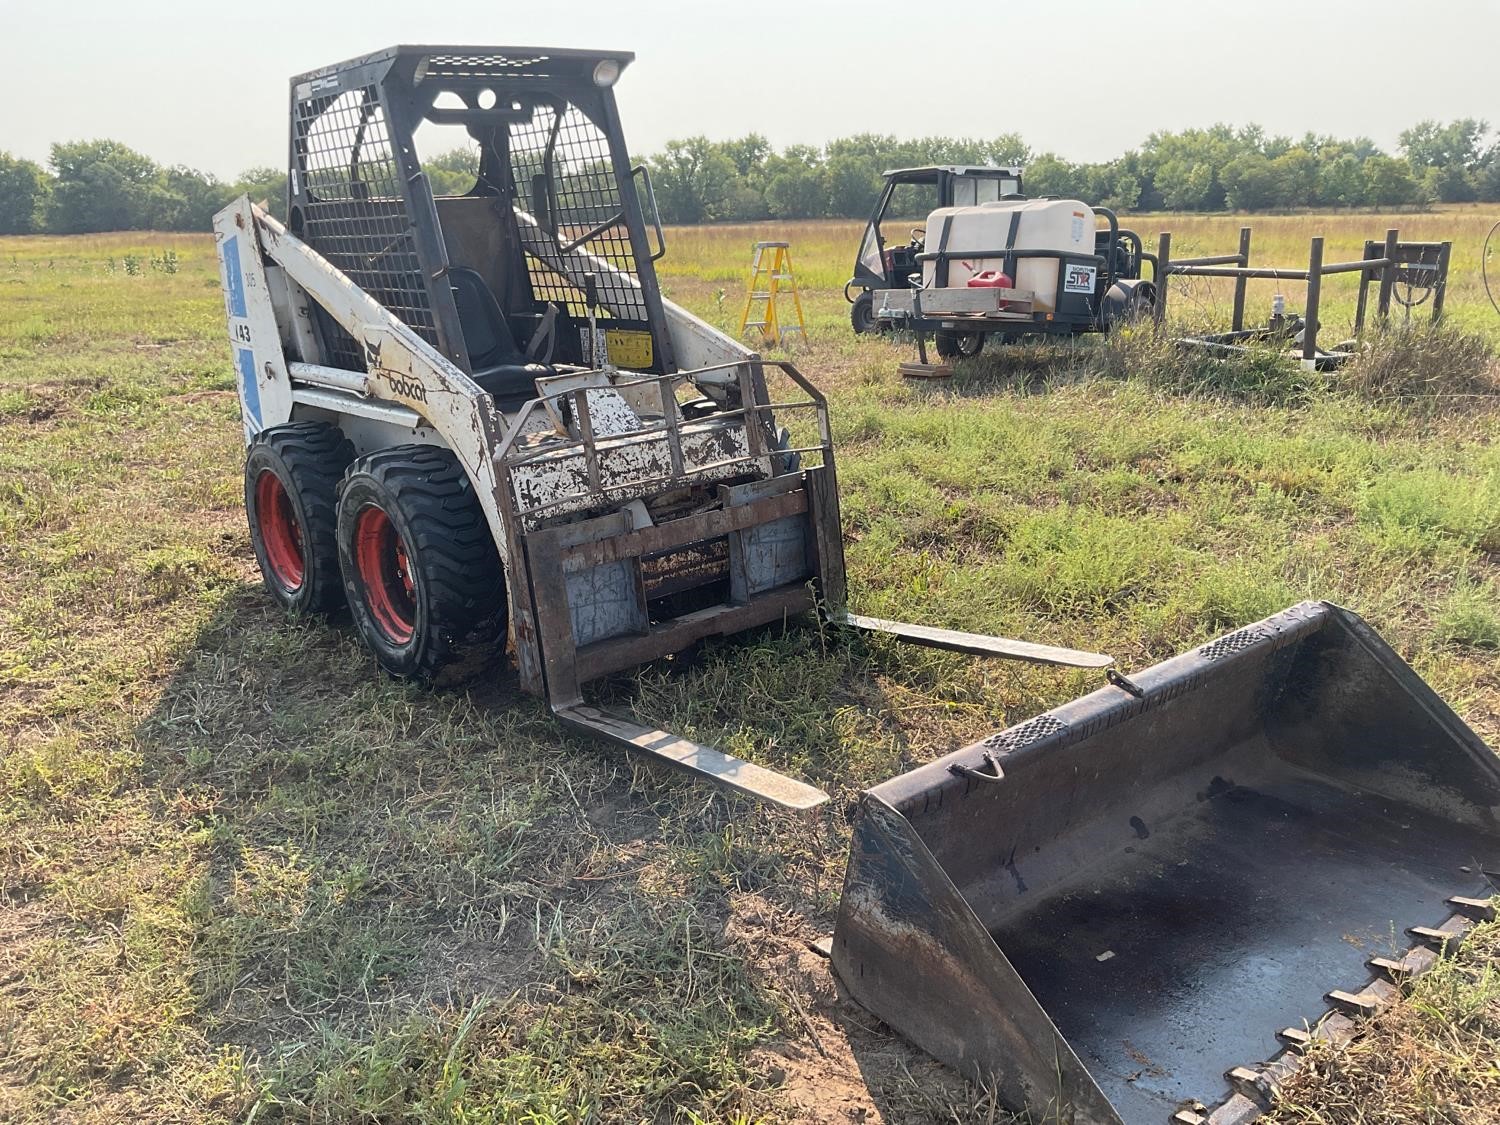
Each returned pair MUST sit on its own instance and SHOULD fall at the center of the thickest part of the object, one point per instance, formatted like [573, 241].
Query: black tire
[1136, 305]
[956, 345]
[421, 572]
[292, 475]
[862, 314]
[1143, 305]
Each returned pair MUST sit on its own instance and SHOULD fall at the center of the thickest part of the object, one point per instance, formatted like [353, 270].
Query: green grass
[243, 874]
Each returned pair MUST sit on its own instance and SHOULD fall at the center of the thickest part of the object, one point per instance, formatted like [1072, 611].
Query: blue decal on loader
[234, 279]
[244, 359]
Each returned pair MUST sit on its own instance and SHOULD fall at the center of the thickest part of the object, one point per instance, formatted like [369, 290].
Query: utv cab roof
[953, 169]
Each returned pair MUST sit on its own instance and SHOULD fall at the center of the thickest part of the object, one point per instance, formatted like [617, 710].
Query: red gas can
[991, 279]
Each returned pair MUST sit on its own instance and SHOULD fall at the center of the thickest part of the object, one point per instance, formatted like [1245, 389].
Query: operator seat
[499, 365]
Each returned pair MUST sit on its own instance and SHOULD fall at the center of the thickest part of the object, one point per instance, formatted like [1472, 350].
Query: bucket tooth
[1390, 968]
[1251, 1083]
[1475, 909]
[1297, 1038]
[1357, 1004]
[1441, 938]
[1188, 1117]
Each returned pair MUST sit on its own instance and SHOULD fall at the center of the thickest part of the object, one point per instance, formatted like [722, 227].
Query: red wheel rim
[385, 572]
[279, 531]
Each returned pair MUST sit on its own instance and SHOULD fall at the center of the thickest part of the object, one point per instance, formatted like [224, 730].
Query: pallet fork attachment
[586, 588]
[767, 785]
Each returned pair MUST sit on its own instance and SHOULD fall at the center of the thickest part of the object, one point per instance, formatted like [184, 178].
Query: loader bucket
[1107, 909]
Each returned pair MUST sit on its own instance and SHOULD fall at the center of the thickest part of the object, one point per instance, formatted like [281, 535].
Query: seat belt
[546, 333]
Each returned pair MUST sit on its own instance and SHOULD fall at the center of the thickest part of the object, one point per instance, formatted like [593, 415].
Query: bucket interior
[1176, 879]
[1180, 956]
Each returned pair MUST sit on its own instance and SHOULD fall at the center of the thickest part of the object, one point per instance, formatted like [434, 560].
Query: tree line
[1216, 169]
[89, 186]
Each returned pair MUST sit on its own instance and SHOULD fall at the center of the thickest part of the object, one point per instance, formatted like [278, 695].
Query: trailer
[990, 262]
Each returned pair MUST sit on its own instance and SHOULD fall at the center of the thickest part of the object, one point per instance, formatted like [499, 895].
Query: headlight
[421, 71]
[606, 71]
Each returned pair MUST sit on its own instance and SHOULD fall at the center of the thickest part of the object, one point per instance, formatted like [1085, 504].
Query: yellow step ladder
[770, 270]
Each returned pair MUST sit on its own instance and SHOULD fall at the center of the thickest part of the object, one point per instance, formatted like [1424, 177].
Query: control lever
[591, 302]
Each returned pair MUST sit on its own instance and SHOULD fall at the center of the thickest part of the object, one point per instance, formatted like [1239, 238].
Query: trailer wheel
[952, 345]
[862, 314]
[292, 475]
[421, 572]
[1128, 302]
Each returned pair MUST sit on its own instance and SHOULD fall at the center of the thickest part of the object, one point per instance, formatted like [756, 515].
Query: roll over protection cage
[551, 145]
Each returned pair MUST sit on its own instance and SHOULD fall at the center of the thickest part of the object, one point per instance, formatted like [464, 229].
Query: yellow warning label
[628, 348]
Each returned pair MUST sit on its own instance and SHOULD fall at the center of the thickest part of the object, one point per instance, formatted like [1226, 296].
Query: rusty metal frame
[755, 413]
[1383, 264]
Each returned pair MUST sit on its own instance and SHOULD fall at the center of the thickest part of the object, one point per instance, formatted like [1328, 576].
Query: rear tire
[959, 345]
[292, 475]
[420, 569]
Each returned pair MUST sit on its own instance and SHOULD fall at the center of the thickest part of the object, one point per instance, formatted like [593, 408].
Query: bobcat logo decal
[402, 386]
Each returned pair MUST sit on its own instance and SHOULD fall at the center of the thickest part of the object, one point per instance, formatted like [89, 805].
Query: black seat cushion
[511, 384]
[498, 364]
[487, 334]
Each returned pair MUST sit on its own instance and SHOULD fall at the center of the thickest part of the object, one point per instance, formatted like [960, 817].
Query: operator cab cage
[494, 278]
[914, 193]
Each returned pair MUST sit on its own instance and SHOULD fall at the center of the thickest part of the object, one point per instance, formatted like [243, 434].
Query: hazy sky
[205, 84]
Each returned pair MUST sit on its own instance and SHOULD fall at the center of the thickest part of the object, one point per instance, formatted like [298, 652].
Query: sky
[205, 84]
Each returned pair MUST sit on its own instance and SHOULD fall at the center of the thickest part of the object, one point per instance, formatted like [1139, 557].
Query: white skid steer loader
[475, 417]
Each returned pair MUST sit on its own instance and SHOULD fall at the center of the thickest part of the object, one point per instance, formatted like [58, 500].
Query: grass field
[243, 876]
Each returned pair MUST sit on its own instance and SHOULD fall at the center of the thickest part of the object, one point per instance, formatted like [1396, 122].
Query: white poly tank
[1063, 225]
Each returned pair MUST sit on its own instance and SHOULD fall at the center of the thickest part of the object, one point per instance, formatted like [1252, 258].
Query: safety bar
[755, 414]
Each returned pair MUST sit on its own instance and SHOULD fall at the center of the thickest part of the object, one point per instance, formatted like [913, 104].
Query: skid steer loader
[474, 417]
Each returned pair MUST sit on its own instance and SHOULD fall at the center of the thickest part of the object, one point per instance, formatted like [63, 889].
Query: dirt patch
[839, 1064]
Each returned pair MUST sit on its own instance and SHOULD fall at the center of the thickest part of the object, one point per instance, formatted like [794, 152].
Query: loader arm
[408, 383]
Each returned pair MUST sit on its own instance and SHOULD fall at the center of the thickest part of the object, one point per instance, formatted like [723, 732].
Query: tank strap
[940, 276]
[1010, 242]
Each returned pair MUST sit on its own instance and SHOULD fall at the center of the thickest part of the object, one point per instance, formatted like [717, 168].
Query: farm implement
[476, 422]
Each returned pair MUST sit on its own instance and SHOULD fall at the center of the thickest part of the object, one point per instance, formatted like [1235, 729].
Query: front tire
[292, 475]
[420, 569]
[862, 314]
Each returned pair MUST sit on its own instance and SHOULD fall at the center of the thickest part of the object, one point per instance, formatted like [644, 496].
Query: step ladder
[771, 276]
